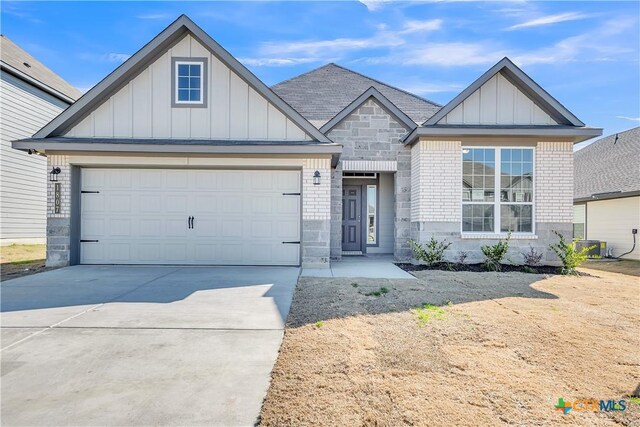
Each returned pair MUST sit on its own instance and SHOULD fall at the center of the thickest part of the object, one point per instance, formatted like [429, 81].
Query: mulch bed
[479, 268]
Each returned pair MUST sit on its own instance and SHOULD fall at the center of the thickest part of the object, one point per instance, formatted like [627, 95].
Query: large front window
[497, 190]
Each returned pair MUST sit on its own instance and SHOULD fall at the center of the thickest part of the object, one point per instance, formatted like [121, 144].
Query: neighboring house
[31, 95]
[607, 192]
[182, 155]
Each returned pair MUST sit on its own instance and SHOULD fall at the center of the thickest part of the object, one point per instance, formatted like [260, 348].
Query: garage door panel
[93, 203]
[141, 217]
[176, 227]
[92, 228]
[207, 228]
[288, 205]
[149, 227]
[93, 179]
[93, 253]
[150, 203]
[149, 253]
[118, 203]
[120, 227]
[120, 181]
[231, 204]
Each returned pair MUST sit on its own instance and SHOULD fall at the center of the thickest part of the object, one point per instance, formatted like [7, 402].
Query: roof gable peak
[525, 84]
[173, 33]
[384, 102]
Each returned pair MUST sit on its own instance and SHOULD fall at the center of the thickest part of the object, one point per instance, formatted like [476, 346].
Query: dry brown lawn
[21, 260]
[503, 352]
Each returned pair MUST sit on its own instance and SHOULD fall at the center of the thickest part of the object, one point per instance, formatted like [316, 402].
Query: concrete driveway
[121, 345]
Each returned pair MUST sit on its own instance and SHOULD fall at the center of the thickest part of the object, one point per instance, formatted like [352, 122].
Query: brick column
[59, 224]
[316, 214]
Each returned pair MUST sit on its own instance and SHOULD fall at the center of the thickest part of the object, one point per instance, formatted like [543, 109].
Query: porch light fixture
[53, 175]
[316, 178]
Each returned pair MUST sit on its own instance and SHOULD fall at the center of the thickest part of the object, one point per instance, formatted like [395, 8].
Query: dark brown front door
[351, 221]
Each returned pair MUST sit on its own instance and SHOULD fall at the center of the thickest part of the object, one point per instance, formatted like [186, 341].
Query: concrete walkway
[120, 345]
[374, 266]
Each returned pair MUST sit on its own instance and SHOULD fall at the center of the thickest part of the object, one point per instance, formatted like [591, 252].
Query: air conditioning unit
[599, 251]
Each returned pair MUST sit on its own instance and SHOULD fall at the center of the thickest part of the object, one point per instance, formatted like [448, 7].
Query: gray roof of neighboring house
[607, 168]
[14, 59]
[322, 93]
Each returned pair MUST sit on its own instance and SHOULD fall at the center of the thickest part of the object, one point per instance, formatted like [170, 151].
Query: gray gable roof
[608, 168]
[13, 60]
[142, 58]
[321, 94]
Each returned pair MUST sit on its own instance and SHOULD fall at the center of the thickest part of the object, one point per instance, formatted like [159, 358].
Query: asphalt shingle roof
[322, 93]
[16, 57]
[607, 167]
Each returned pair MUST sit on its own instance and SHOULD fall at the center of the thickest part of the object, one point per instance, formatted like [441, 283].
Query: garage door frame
[76, 207]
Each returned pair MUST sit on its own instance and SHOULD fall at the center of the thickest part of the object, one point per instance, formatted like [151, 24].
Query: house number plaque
[56, 198]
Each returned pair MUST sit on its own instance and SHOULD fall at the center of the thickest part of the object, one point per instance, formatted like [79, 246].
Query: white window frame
[497, 214]
[177, 79]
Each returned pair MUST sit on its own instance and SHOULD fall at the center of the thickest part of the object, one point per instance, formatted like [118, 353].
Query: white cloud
[373, 5]
[633, 119]
[423, 88]
[455, 54]
[277, 62]
[600, 44]
[421, 26]
[105, 57]
[157, 16]
[549, 19]
[330, 47]
[116, 57]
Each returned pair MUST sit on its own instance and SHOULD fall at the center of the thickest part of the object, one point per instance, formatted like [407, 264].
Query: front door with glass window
[352, 218]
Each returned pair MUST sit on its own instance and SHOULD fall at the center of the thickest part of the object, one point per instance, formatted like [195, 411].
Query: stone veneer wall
[436, 195]
[316, 213]
[371, 133]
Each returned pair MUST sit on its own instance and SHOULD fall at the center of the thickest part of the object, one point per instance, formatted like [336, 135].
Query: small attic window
[189, 81]
[26, 64]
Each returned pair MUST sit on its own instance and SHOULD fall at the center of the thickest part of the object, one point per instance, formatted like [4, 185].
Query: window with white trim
[189, 82]
[497, 190]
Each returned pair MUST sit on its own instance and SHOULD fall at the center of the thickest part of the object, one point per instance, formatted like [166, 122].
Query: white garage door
[224, 217]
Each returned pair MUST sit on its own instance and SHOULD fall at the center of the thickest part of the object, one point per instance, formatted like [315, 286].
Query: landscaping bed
[479, 268]
[457, 348]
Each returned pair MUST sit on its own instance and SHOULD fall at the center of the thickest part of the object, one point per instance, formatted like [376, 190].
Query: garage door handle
[291, 243]
[190, 222]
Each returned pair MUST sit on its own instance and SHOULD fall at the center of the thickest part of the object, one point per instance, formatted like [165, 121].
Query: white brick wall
[436, 174]
[554, 182]
[64, 178]
[316, 199]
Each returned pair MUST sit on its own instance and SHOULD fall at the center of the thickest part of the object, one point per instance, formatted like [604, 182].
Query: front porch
[369, 211]
[368, 266]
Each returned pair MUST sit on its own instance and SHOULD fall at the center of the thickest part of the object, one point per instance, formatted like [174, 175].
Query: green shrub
[570, 257]
[494, 254]
[432, 252]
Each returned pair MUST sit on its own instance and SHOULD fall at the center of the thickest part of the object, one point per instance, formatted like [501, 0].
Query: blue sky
[586, 54]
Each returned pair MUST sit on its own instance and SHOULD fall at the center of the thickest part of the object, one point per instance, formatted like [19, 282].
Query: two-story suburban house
[31, 95]
[183, 156]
